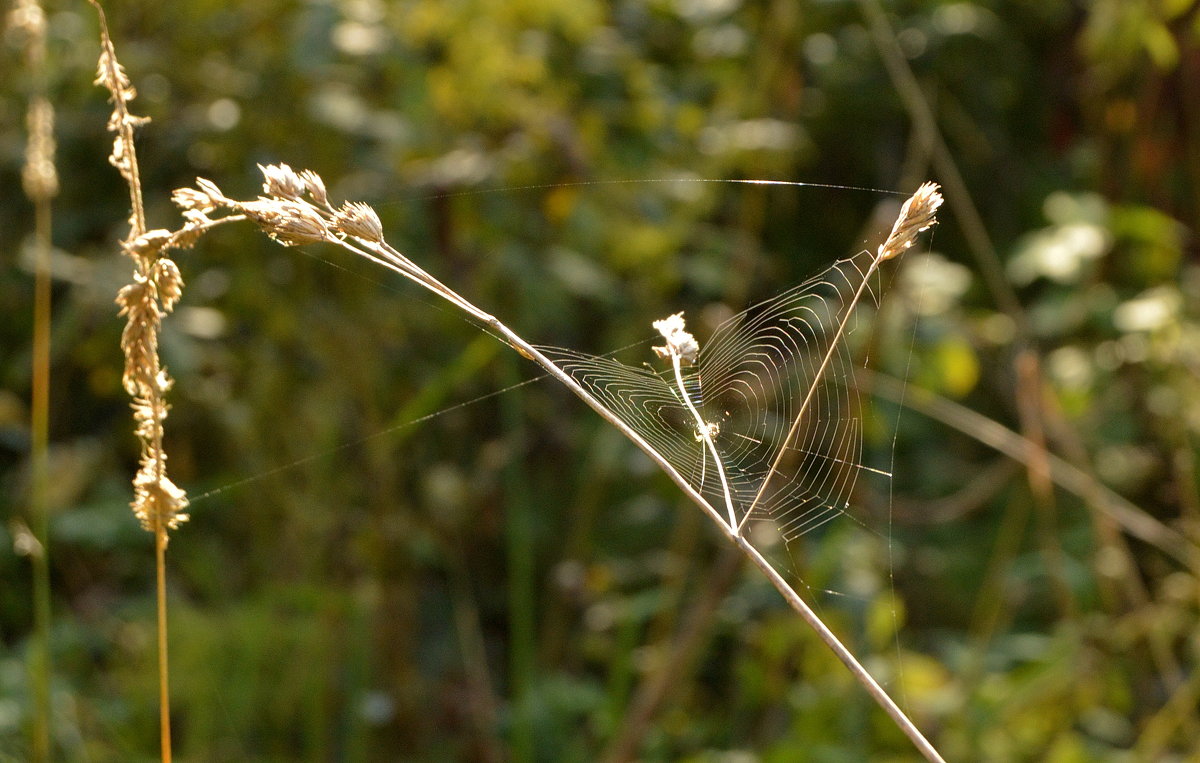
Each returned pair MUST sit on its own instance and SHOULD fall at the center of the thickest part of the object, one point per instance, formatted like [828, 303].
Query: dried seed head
[280, 181]
[111, 75]
[917, 214]
[187, 236]
[148, 244]
[288, 222]
[359, 221]
[139, 338]
[680, 343]
[315, 186]
[157, 501]
[167, 277]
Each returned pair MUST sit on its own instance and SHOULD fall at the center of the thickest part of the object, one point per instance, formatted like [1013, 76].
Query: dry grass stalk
[295, 210]
[39, 179]
[157, 285]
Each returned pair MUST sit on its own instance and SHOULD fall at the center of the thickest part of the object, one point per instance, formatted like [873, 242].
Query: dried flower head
[917, 214]
[288, 222]
[680, 343]
[157, 501]
[167, 277]
[280, 181]
[359, 221]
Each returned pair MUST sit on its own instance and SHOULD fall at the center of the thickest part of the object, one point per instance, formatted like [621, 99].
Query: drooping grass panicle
[156, 287]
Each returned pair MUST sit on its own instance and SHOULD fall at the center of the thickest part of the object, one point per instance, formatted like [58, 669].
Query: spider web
[751, 379]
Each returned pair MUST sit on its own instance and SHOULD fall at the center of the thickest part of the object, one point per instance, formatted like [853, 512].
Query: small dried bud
[917, 214]
[680, 343]
[190, 199]
[131, 295]
[280, 181]
[315, 186]
[359, 221]
[169, 281]
[187, 236]
[209, 188]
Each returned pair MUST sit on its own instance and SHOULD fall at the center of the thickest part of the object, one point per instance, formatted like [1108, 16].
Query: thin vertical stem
[164, 695]
[39, 508]
[704, 432]
[40, 183]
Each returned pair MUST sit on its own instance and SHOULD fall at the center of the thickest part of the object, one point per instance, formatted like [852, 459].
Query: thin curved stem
[357, 229]
[704, 433]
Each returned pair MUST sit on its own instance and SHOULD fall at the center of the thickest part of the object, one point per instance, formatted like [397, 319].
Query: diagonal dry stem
[295, 211]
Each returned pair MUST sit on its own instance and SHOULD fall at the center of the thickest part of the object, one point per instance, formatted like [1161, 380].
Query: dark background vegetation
[508, 580]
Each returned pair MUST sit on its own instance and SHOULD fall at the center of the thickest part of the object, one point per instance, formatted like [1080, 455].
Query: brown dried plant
[294, 210]
[157, 285]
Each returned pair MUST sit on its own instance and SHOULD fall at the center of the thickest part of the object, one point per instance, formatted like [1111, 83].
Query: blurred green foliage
[506, 579]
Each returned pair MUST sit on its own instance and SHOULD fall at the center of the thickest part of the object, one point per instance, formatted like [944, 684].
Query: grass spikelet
[919, 213]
